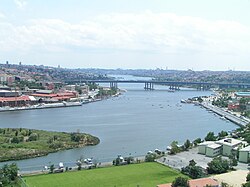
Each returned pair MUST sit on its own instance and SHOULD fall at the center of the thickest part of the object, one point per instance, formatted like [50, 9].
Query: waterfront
[133, 123]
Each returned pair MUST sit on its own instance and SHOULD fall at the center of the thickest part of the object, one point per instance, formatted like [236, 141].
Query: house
[244, 154]
[203, 182]
[233, 106]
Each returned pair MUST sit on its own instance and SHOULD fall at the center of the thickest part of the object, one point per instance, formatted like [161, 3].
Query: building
[225, 147]
[70, 87]
[229, 145]
[4, 87]
[244, 154]
[213, 150]
[203, 182]
[17, 101]
[242, 94]
[8, 93]
[202, 147]
[50, 98]
[44, 91]
[210, 149]
[248, 106]
[233, 106]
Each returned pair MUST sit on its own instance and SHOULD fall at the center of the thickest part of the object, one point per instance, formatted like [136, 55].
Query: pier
[235, 119]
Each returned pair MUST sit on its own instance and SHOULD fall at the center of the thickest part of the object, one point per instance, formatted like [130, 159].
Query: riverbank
[225, 114]
[21, 143]
[144, 174]
[53, 105]
[136, 116]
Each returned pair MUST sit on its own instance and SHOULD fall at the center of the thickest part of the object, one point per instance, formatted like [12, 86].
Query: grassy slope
[145, 174]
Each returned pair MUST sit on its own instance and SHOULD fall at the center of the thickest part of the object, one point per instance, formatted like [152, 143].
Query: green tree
[222, 134]
[8, 174]
[217, 166]
[33, 137]
[187, 145]
[51, 168]
[150, 157]
[193, 171]
[15, 140]
[232, 161]
[248, 177]
[174, 148]
[246, 184]
[223, 184]
[196, 141]
[210, 137]
[180, 182]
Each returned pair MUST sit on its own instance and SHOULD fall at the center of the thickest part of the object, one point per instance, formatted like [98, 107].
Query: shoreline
[57, 105]
[75, 168]
[225, 114]
[73, 163]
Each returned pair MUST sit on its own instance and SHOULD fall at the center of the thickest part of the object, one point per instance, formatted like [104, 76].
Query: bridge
[173, 85]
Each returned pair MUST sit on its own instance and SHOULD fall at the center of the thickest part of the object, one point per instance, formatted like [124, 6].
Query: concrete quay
[231, 117]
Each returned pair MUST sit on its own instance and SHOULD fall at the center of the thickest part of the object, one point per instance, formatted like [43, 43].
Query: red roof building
[64, 96]
[197, 183]
[15, 101]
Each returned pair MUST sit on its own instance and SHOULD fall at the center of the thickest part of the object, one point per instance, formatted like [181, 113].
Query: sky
[128, 34]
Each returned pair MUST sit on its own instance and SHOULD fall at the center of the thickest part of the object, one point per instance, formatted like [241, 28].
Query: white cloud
[2, 15]
[21, 4]
[150, 32]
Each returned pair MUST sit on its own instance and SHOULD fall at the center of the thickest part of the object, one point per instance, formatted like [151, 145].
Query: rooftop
[9, 99]
[246, 148]
[229, 141]
[196, 183]
[243, 94]
[207, 143]
[214, 145]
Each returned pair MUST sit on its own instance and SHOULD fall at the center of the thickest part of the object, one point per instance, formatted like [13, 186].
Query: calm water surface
[134, 123]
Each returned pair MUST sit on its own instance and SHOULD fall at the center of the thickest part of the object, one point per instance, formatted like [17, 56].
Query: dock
[242, 122]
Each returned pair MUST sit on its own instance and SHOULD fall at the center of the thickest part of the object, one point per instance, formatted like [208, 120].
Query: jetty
[240, 121]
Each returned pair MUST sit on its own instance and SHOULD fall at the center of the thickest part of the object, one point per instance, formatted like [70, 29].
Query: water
[131, 124]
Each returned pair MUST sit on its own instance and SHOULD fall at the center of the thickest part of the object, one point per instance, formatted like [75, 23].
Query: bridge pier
[149, 86]
[174, 87]
[113, 85]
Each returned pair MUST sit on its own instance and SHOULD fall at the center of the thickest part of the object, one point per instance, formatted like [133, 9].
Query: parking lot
[182, 160]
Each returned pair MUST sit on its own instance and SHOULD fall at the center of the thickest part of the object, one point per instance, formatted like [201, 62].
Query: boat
[171, 91]
[67, 104]
[183, 101]
[223, 117]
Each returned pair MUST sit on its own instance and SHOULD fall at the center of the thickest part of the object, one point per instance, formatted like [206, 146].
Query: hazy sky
[173, 34]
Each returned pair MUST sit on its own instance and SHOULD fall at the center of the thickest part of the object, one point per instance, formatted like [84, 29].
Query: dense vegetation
[244, 133]
[102, 92]
[8, 175]
[146, 174]
[193, 171]
[217, 166]
[27, 143]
